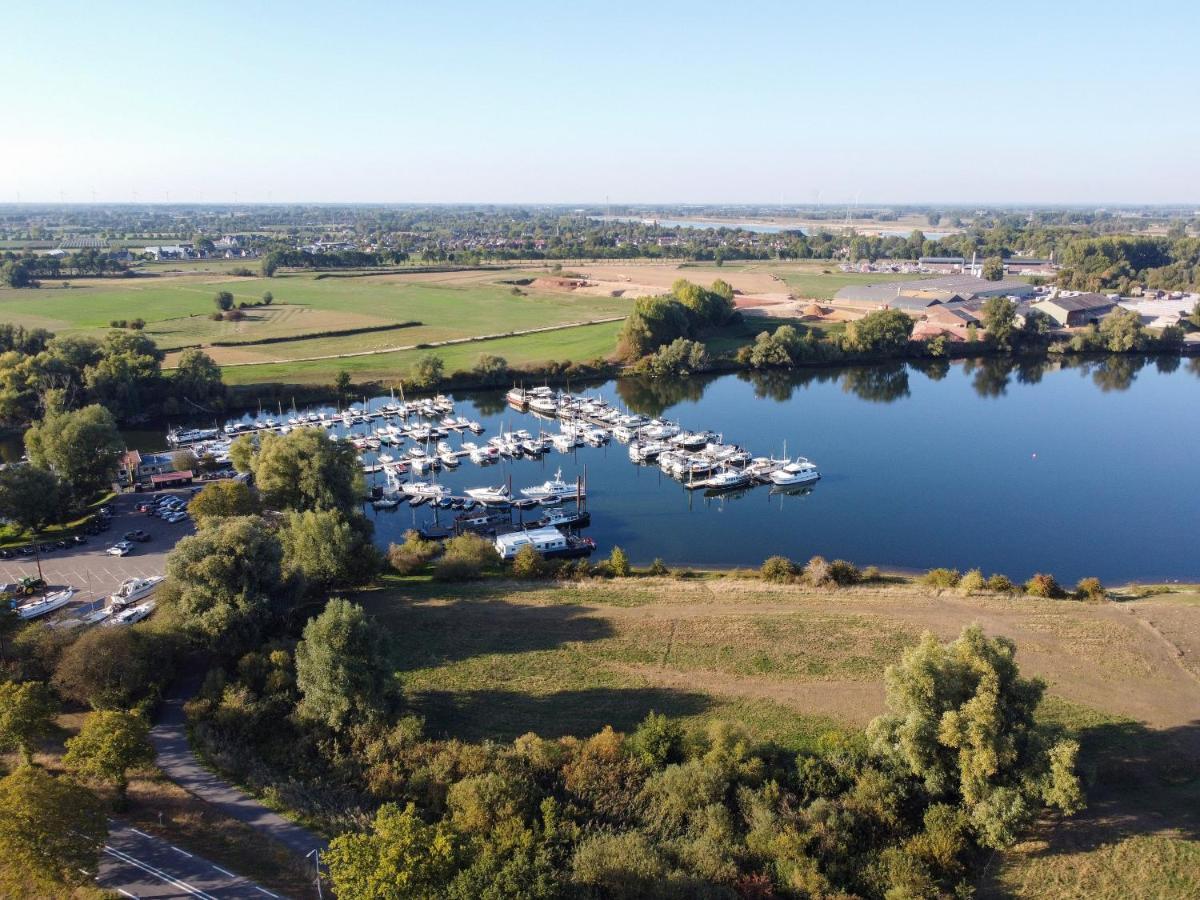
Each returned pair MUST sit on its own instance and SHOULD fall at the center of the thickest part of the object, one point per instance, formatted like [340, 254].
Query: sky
[587, 102]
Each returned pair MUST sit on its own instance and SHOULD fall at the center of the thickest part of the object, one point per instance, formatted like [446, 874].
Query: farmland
[497, 660]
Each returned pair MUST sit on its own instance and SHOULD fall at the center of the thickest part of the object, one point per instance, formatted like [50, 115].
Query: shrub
[940, 578]
[217, 316]
[844, 573]
[137, 324]
[1043, 585]
[1090, 589]
[1000, 584]
[871, 573]
[575, 571]
[972, 583]
[465, 558]
[528, 563]
[223, 301]
[618, 563]
[816, 572]
[658, 567]
[267, 298]
[778, 569]
[413, 555]
[234, 315]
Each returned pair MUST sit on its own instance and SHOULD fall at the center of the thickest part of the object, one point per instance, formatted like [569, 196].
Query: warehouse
[920, 295]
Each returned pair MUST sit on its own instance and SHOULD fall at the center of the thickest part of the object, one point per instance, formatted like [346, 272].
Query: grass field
[816, 285]
[498, 659]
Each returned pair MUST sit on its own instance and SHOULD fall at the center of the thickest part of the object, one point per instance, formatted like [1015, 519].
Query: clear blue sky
[1095, 102]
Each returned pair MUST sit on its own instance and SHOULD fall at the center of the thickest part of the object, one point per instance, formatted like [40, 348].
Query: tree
[223, 582]
[618, 563]
[491, 369]
[27, 711]
[882, 332]
[81, 447]
[342, 669]
[223, 500]
[110, 743]
[400, 858]
[325, 548]
[962, 724]
[111, 668]
[304, 469]
[198, 379]
[342, 384]
[30, 496]
[428, 370]
[1194, 318]
[1000, 320]
[993, 269]
[223, 301]
[269, 264]
[1122, 330]
[51, 830]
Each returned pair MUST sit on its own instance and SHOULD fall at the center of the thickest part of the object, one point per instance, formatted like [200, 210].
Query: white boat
[725, 480]
[386, 503]
[800, 471]
[47, 604]
[425, 489]
[645, 452]
[554, 489]
[131, 615]
[133, 590]
[490, 495]
[449, 459]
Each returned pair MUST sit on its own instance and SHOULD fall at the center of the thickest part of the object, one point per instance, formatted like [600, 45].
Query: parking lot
[94, 573]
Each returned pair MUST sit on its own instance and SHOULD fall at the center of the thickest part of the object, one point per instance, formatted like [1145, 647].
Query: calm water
[767, 228]
[1090, 469]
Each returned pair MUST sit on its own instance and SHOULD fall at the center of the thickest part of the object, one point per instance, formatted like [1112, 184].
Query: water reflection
[1117, 373]
[654, 396]
[885, 383]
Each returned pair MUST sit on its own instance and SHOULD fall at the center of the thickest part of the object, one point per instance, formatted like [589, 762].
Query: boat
[554, 489]
[641, 452]
[46, 605]
[517, 397]
[799, 471]
[134, 589]
[131, 615]
[490, 495]
[386, 503]
[548, 542]
[561, 518]
[725, 480]
[449, 459]
[426, 489]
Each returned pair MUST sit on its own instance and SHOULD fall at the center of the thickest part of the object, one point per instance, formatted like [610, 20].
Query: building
[139, 468]
[1024, 265]
[948, 264]
[917, 296]
[1074, 310]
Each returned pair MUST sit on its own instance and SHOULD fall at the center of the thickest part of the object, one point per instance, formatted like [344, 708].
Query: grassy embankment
[498, 659]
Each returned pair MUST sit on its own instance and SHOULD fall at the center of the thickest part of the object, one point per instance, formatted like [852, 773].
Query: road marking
[265, 891]
[126, 893]
[224, 872]
[184, 852]
[158, 873]
[142, 833]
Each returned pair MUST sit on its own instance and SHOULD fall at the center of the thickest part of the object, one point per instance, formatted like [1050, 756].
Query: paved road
[179, 763]
[138, 865]
[93, 572]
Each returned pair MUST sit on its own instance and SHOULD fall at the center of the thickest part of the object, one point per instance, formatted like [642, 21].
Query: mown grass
[581, 344]
[817, 285]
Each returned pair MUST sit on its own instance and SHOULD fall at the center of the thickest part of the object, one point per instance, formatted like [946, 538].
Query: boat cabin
[544, 540]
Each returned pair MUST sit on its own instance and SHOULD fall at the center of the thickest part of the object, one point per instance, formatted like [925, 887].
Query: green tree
[325, 548]
[81, 447]
[223, 301]
[51, 830]
[30, 496]
[342, 669]
[618, 563]
[428, 370]
[223, 500]
[27, 711]
[962, 723]
[342, 384]
[112, 668]
[884, 332]
[109, 744]
[1122, 331]
[993, 269]
[267, 298]
[491, 369]
[400, 858]
[198, 379]
[224, 581]
[1000, 320]
[1194, 318]
[304, 469]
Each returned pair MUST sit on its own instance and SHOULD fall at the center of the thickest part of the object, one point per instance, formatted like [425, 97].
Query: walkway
[180, 764]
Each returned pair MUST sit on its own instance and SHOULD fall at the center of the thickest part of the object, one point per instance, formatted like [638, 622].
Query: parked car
[6, 554]
[177, 516]
[46, 548]
[121, 548]
[137, 535]
[79, 539]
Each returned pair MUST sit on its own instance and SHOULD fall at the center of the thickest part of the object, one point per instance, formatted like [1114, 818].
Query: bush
[940, 578]
[618, 563]
[224, 301]
[778, 569]
[528, 563]
[217, 316]
[234, 315]
[871, 573]
[137, 324]
[267, 298]
[1043, 585]
[1090, 589]
[844, 573]
[575, 571]
[658, 567]
[465, 558]
[816, 572]
[413, 555]
[972, 583]
[1000, 584]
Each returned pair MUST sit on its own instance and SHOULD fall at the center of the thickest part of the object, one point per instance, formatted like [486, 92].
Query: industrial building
[916, 296]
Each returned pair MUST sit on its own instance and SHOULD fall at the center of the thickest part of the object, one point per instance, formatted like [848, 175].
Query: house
[953, 316]
[139, 468]
[171, 479]
[1074, 310]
